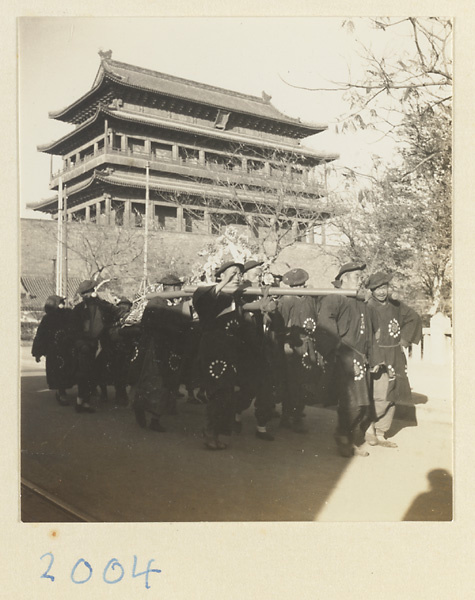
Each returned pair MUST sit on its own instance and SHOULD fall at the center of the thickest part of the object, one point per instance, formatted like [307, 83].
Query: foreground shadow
[436, 504]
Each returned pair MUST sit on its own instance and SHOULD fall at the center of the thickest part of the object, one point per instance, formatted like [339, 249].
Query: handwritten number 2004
[82, 571]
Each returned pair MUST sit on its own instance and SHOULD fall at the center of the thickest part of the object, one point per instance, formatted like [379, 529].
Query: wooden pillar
[266, 168]
[106, 133]
[244, 165]
[207, 220]
[202, 157]
[96, 147]
[87, 216]
[127, 211]
[179, 218]
[107, 206]
[175, 152]
[310, 236]
[295, 229]
[123, 143]
[98, 213]
[148, 147]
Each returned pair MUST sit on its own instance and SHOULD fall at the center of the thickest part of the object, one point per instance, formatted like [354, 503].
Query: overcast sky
[58, 61]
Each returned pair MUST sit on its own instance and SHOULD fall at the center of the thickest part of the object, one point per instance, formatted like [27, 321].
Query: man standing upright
[399, 326]
[345, 333]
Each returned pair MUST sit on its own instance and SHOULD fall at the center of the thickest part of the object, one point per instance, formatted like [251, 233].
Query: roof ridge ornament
[105, 54]
[266, 97]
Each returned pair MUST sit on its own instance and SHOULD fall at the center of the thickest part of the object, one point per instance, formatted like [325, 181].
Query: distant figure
[54, 339]
[436, 504]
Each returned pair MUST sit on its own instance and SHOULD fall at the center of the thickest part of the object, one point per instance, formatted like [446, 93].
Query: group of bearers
[230, 348]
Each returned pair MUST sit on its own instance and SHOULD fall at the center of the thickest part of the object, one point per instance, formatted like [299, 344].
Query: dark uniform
[92, 317]
[218, 355]
[300, 315]
[159, 361]
[346, 331]
[54, 339]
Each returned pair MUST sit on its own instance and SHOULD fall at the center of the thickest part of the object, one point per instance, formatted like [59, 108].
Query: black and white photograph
[236, 269]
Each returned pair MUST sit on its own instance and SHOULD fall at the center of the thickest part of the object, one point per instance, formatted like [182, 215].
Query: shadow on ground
[106, 466]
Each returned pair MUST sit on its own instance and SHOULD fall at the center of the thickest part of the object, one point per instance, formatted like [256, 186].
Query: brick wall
[168, 251]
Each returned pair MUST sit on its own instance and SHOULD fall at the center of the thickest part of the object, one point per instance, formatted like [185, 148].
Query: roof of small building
[169, 85]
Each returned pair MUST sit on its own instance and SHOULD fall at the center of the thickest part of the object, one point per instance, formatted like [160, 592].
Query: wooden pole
[147, 217]
[259, 291]
[59, 248]
[65, 243]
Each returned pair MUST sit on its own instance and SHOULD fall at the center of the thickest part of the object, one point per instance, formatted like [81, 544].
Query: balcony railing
[236, 172]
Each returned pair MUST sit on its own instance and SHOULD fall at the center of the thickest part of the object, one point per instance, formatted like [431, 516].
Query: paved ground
[108, 468]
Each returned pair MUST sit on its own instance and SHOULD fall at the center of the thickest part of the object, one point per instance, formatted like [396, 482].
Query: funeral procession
[223, 321]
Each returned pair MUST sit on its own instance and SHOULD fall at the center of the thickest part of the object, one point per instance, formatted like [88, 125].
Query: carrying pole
[147, 218]
[259, 291]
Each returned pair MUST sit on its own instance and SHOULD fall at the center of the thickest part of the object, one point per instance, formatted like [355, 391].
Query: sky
[58, 61]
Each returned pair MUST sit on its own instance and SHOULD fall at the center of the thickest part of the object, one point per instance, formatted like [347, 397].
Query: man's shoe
[62, 399]
[285, 422]
[237, 427]
[298, 426]
[345, 449]
[386, 443]
[264, 435]
[84, 408]
[156, 426]
[140, 417]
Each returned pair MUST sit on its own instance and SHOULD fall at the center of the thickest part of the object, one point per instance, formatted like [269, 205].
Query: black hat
[53, 302]
[295, 277]
[377, 280]
[252, 264]
[226, 265]
[86, 286]
[348, 267]
[125, 300]
[170, 279]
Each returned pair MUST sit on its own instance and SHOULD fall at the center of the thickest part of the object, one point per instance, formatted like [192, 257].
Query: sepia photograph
[236, 268]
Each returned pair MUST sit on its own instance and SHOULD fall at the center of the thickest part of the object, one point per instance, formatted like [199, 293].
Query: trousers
[384, 409]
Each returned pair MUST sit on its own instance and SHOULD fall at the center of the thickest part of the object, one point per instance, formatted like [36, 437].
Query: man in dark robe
[54, 340]
[92, 317]
[254, 372]
[219, 351]
[345, 333]
[299, 314]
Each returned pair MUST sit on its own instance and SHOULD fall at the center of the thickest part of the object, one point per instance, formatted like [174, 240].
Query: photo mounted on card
[236, 271]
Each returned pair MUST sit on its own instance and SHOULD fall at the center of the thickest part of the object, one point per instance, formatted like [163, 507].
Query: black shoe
[237, 426]
[298, 426]
[140, 417]
[61, 399]
[84, 408]
[264, 435]
[285, 422]
[156, 426]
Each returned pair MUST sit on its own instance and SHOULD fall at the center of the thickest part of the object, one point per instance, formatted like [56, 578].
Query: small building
[206, 156]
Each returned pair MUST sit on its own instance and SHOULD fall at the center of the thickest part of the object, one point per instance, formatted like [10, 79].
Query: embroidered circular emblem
[362, 324]
[358, 370]
[59, 336]
[174, 361]
[394, 328]
[309, 325]
[136, 353]
[232, 325]
[306, 362]
[391, 372]
[217, 368]
[60, 362]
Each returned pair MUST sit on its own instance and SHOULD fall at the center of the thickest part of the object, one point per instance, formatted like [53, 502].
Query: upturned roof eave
[308, 152]
[104, 73]
[103, 178]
